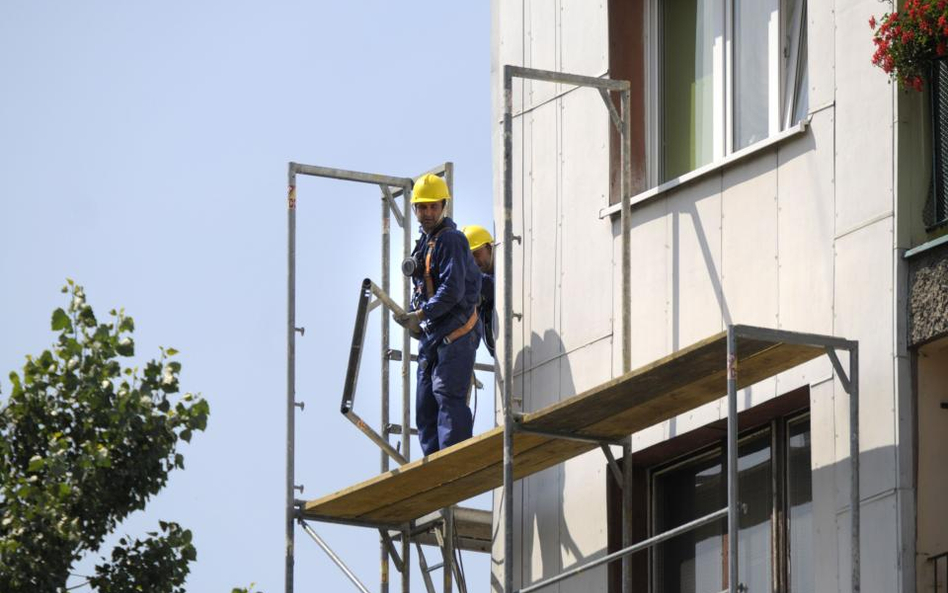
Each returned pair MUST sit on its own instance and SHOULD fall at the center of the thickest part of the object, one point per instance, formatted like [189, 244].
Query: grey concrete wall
[800, 236]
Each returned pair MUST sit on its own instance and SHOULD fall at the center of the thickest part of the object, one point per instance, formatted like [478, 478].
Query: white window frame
[780, 80]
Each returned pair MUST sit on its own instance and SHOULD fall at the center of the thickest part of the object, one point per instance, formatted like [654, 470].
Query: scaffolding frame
[391, 187]
[621, 118]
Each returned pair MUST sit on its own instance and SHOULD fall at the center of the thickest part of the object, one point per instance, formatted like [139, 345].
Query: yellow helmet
[430, 188]
[477, 236]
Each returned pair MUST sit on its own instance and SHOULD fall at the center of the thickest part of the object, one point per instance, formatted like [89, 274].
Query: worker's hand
[412, 322]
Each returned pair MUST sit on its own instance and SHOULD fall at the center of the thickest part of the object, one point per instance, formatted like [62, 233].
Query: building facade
[780, 180]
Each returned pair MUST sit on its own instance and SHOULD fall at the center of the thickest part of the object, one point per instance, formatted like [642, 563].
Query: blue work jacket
[456, 279]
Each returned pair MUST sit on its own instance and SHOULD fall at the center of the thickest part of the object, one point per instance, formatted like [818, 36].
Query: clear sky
[143, 153]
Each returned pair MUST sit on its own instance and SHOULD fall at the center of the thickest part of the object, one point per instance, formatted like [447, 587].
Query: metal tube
[406, 369]
[855, 500]
[447, 551]
[790, 337]
[345, 175]
[336, 559]
[627, 514]
[625, 137]
[387, 203]
[290, 374]
[507, 377]
[642, 545]
[449, 180]
[388, 301]
[626, 221]
[733, 525]
[562, 77]
[382, 443]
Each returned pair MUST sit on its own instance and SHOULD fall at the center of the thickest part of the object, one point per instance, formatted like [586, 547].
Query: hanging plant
[908, 40]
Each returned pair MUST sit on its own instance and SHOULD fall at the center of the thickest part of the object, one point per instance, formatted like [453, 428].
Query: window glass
[751, 71]
[755, 481]
[687, 75]
[695, 562]
[800, 506]
[691, 562]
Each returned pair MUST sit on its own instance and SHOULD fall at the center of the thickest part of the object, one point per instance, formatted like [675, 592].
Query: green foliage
[84, 442]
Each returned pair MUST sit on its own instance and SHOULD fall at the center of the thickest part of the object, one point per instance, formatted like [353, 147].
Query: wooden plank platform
[641, 398]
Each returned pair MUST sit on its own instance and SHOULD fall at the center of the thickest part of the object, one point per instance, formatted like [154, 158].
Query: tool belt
[464, 329]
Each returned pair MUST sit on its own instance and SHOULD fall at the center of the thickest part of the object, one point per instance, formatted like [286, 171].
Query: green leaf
[127, 324]
[186, 435]
[125, 347]
[61, 321]
[36, 464]
[171, 351]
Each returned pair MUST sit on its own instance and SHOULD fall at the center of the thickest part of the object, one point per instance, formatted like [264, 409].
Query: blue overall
[445, 369]
[486, 310]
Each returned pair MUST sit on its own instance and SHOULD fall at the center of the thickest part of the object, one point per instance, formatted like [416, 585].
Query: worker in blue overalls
[444, 318]
[482, 248]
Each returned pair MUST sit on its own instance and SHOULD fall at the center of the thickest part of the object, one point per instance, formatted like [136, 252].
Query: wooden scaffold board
[641, 398]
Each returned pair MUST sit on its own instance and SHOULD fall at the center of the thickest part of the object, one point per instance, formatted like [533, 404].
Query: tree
[84, 442]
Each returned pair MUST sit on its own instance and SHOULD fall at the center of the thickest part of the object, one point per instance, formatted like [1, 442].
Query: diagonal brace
[390, 548]
[610, 458]
[613, 112]
[838, 367]
[390, 200]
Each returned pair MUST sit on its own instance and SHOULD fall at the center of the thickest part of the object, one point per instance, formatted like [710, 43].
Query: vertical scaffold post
[290, 372]
[855, 500]
[406, 374]
[625, 153]
[507, 375]
[386, 287]
[733, 524]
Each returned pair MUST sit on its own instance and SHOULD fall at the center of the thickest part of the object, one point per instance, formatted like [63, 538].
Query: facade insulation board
[798, 236]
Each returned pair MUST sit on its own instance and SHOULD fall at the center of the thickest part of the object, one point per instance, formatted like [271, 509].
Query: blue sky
[143, 152]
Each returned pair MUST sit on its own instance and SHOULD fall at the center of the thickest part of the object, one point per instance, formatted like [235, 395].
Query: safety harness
[430, 290]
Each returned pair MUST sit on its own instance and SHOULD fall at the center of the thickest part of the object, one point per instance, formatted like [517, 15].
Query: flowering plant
[906, 41]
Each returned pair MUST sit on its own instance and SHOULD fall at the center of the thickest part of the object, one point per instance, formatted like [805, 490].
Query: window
[774, 487]
[724, 74]
[681, 479]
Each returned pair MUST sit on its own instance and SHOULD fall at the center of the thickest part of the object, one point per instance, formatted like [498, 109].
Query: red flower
[941, 48]
[942, 20]
[872, 23]
[917, 83]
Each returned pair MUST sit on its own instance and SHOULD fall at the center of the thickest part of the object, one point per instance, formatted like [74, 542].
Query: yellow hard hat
[477, 236]
[430, 188]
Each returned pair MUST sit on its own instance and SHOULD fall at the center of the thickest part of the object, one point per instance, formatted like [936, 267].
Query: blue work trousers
[442, 415]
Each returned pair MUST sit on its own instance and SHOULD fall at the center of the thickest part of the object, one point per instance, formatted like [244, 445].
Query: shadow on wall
[542, 376]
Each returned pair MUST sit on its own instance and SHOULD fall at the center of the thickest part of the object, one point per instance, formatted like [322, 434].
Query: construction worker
[482, 248]
[444, 319]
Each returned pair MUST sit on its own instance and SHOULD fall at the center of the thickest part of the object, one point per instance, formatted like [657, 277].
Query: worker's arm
[450, 254]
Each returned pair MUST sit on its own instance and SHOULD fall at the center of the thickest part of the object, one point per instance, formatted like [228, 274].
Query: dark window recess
[936, 208]
[682, 479]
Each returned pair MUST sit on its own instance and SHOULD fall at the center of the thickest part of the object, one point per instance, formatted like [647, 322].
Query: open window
[722, 75]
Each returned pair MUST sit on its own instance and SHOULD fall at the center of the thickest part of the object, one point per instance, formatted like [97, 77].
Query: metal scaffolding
[849, 381]
[391, 188]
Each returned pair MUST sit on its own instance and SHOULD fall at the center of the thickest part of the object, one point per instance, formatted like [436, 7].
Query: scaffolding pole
[850, 381]
[391, 187]
[621, 119]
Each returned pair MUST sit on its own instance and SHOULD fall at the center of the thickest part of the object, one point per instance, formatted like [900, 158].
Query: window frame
[781, 81]
[778, 430]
